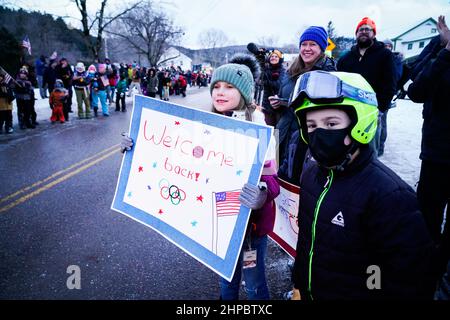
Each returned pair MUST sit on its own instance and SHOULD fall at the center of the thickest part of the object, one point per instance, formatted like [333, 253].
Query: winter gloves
[252, 196]
[126, 143]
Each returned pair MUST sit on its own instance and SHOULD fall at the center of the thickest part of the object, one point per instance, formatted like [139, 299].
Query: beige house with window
[412, 41]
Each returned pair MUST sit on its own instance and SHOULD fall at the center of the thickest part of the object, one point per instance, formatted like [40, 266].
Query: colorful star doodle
[200, 198]
[239, 172]
[141, 169]
[194, 223]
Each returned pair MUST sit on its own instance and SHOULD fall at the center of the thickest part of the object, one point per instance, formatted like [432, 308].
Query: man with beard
[375, 63]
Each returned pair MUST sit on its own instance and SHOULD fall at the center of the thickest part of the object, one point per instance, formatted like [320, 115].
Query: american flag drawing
[27, 44]
[227, 203]
[226, 208]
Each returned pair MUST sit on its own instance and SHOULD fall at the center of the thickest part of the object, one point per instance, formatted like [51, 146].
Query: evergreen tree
[331, 31]
[9, 52]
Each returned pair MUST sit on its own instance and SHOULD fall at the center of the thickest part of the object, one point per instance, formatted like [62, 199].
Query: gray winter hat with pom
[241, 72]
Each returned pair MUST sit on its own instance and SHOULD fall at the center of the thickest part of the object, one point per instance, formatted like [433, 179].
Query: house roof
[423, 22]
[419, 39]
[175, 51]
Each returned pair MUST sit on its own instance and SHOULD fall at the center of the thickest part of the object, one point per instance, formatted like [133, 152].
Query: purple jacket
[262, 220]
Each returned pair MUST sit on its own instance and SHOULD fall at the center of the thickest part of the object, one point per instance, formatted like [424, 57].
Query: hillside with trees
[46, 34]
[116, 36]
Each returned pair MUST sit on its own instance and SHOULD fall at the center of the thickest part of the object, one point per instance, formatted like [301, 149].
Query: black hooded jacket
[364, 216]
[431, 87]
[271, 79]
[377, 67]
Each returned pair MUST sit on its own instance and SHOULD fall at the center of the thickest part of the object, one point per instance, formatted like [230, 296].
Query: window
[410, 46]
[421, 44]
[433, 30]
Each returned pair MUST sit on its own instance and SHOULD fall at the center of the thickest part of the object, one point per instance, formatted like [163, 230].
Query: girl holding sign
[232, 87]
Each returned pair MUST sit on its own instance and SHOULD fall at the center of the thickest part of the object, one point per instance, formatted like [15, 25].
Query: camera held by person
[259, 53]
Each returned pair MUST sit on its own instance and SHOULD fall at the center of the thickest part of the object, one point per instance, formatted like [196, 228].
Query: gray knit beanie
[241, 73]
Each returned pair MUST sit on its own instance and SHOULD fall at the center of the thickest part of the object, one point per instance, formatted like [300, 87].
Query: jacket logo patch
[339, 220]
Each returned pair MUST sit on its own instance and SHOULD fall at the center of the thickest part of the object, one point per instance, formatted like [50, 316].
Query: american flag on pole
[227, 203]
[27, 44]
[6, 77]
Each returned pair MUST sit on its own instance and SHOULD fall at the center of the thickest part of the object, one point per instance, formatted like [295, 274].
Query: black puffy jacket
[271, 79]
[431, 87]
[348, 221]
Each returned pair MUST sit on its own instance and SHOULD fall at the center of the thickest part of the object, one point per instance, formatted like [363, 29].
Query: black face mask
[328, 147]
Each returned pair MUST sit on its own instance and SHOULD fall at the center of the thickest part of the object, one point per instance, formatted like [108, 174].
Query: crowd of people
[97, 86]
[355, 214]
[331, 117]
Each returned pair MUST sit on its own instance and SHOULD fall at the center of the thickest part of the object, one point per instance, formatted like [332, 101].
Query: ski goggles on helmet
[321, 87]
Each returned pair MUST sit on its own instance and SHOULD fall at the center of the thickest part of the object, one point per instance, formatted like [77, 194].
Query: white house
[412, 41]
[173, 57]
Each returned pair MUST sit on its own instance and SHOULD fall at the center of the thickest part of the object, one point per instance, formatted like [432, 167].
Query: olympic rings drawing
[291, 218]
[173, 192]
[165, 181]
[293, 221]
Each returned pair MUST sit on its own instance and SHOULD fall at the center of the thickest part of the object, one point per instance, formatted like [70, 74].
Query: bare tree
[213, 39]
[149, 31]
[291, 48]
[268, 41]
[97, 23]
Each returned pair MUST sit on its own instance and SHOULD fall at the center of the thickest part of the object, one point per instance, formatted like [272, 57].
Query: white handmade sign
[285, 230]
[184, 175]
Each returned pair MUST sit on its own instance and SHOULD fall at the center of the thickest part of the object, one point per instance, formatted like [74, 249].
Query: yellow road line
[57, 181]
[15, 194]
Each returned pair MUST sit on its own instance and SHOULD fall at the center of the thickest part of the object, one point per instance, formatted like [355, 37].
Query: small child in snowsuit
[57, 99]
[24, 93]
[121, 91]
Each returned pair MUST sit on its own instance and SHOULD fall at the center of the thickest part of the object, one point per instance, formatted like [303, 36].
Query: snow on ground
[402, 147]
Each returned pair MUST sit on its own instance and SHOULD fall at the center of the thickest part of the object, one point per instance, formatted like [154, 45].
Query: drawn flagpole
[225, 204]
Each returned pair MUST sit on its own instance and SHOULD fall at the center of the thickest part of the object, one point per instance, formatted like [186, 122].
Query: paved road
[57, 186]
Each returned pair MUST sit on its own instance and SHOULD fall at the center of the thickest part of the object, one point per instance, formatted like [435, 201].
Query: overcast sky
[245, 21]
